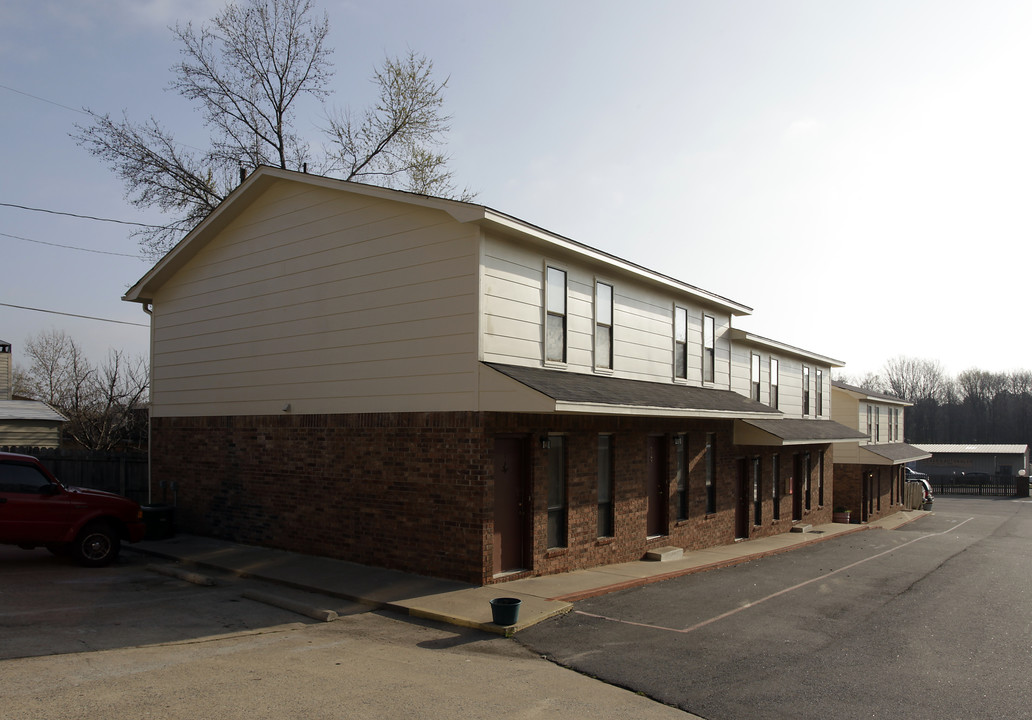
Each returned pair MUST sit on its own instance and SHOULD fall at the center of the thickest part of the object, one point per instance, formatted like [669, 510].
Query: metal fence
[989, 485]
[125, 473]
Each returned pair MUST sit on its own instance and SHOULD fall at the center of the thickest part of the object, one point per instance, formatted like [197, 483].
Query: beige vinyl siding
[327, 301]
[512, 317]
[741, 371]
[29, 433]
[845, 410]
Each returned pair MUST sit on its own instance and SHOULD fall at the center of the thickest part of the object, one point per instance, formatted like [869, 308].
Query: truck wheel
[97, 545]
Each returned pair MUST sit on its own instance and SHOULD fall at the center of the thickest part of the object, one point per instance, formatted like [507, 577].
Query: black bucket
[505, 610]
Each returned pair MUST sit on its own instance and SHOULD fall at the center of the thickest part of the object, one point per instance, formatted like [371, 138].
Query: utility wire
[82, 217]
[70, 247]
[85, 317]
[37, 97]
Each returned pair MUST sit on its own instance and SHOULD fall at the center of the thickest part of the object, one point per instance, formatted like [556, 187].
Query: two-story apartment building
[438, 387]
[869, 473]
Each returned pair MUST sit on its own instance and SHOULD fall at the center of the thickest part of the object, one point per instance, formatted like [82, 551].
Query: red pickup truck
[35, 509]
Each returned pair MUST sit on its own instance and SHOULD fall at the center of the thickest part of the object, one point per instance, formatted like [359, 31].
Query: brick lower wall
[403, 491]
[414, 491]
[871, 498]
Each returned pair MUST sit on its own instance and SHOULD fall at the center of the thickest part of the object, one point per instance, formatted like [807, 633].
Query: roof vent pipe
[243, 174]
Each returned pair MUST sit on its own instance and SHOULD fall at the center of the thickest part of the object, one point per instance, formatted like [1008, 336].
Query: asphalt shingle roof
[572, 387]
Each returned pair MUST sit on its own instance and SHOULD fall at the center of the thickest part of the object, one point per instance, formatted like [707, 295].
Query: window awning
[794, 431]
[573, 392]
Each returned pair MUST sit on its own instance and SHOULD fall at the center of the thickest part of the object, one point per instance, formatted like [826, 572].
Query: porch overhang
[793, 431]
[891, 454]
[579, 393]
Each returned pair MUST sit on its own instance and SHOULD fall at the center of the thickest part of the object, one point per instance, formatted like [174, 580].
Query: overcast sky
[856, 172]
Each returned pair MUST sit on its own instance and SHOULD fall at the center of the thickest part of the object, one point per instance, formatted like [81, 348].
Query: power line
[82, 217]
[70, 247]
[37, 97]
[85, 317]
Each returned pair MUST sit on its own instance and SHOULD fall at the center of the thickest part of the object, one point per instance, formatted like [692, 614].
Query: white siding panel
[327, 301]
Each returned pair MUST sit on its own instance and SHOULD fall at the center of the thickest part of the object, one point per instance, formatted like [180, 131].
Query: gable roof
[29, 410]
[579, 392]
[464, 212]
[759, 341]
[864, 394]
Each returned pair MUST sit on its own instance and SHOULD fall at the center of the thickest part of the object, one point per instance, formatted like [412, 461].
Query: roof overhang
[581, 393]
[891, 454]
[793, 431]
[739, 335]
[464, 212]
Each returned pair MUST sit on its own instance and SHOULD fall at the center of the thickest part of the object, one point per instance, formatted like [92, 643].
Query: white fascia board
[498, 220]
[740, 335]
[649, 411]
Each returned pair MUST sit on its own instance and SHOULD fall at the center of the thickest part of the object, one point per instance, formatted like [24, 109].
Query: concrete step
[802, 528]
[665, 554]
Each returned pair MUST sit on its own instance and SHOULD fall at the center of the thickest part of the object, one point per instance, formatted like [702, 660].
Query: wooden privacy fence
[125, 473]
[990, 485]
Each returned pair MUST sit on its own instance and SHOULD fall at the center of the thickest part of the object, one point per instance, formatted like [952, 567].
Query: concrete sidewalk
[468, 605]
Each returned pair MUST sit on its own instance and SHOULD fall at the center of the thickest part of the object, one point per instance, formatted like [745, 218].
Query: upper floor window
[754, 386]
[806, 390]
[604, 325]
[877, 424]
[774, 383]
[820, 393]
[708, 347]
[680, 343]
[555, 320]
[870, 422]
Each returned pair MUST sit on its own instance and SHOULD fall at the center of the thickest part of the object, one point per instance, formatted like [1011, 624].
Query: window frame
[711, 473]
[550, 299]
[556, 499]
[611, 309]
[680, 342]
[681, 454]
[819, 393]
[755, 363]
[806, 390]
[775, 370]
[709, 348]
[606, 505]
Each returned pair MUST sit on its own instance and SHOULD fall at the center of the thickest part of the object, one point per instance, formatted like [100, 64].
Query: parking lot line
[779, 593]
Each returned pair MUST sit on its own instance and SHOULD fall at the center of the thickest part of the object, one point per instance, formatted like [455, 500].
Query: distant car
[37, 510]
[920, 477]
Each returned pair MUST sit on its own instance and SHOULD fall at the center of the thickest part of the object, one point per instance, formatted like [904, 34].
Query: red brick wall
[402, 491]
[414, 491]
[884, 491]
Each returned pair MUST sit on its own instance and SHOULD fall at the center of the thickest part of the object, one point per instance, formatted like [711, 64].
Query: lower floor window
[556, 492]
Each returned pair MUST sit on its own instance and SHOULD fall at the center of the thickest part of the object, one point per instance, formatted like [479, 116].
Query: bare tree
[913, 379]
[248, 70]
[102, 403]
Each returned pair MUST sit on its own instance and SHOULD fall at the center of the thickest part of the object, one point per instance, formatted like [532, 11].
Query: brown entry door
[742, 498]
[656, 488]
[509, 526]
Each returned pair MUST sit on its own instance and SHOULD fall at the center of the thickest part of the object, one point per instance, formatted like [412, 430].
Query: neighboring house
[869, 474]
[24, 423]
[955, 460]
[438, 387]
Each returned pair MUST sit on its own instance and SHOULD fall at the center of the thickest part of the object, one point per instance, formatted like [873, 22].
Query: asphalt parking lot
[50, 605]
[125, 641]
[928, 621]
